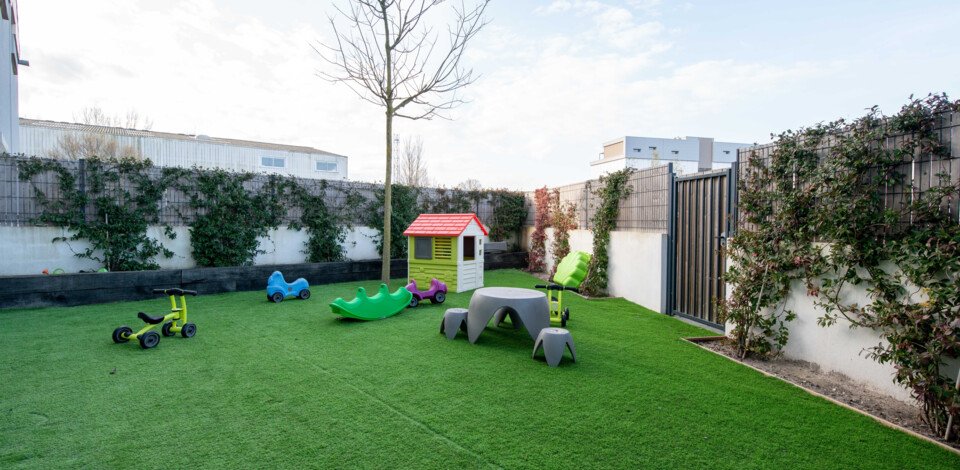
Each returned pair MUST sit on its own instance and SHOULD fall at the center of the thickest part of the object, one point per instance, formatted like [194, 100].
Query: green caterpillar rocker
[173, 322]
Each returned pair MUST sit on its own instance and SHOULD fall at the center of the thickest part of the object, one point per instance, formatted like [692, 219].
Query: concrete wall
[637, 270]
[839, 348]
[29, 250]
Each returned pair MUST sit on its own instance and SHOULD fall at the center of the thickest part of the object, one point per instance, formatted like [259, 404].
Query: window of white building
[273, 162]
[327, 166]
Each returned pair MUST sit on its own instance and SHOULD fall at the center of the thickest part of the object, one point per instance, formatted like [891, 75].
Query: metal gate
[702, 204]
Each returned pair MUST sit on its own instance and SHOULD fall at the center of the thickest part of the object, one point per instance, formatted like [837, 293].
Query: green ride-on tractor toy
[571, 272]
[173, 322]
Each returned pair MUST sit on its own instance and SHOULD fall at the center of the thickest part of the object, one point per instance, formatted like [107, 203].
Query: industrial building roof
[169, 135]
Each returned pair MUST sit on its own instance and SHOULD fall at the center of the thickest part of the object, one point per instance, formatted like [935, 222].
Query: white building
[9, 104]
[42, 138]
[688, 154]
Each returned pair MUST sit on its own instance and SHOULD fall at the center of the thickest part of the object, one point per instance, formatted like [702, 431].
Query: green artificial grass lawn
[291, 385]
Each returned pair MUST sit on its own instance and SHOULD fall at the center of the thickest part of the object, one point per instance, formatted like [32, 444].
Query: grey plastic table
[528, 304]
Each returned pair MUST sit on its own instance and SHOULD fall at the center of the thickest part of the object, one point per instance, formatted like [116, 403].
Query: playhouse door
[471, 266]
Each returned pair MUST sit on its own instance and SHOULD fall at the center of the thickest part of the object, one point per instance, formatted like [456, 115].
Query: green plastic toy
[380, 306]
[571, 271]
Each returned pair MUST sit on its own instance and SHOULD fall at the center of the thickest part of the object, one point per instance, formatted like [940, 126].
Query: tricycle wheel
[121, 335]
[564, 317]
[149, 339]
[277, 297]
[414, 301]
[439, 297]
[304, 294]
[188, 330]
[165, 329]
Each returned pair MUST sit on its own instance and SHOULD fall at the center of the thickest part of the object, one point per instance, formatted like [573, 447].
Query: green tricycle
[173, 322]
[570, 274]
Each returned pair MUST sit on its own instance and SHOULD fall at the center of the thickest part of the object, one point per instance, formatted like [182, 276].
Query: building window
[326, 166]
[726, 152]
[653, 147]
[638, 150]
[675, 152]
[423, 247]
[469, 248]
[273, 162]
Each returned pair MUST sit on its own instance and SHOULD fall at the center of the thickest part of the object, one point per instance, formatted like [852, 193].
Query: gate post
[671, 281]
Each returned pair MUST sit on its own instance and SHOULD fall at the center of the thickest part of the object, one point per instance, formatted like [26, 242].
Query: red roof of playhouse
[442, 225]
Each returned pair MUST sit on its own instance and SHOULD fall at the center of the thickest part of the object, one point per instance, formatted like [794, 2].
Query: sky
[558, 78]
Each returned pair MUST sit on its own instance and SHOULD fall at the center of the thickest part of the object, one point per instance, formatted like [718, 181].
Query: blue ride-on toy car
[278, 288]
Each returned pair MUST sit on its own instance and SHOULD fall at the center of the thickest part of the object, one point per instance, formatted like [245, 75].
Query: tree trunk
[387, 183]
[387, 202]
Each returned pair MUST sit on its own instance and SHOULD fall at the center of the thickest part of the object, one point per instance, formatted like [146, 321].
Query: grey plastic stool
[453, 319]
[554, 341]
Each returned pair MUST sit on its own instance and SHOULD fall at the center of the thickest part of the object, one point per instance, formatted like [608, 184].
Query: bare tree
[86, 144]
[387, 53]
[411, 166]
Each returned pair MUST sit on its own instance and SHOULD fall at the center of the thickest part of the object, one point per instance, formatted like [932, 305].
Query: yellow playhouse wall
[423, 270]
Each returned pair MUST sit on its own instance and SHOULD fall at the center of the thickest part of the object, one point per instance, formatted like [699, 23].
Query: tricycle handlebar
[553, 286]
[175, 291]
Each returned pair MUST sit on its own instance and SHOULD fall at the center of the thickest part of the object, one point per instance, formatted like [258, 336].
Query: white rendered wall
[839, 348]
[29, 250]
[637, 268]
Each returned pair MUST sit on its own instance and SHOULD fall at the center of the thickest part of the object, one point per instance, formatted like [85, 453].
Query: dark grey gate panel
[702, 207]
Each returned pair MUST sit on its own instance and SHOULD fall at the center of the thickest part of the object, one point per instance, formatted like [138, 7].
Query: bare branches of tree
[387, 52]
[411, 165]
[95, 116]
[100, 144]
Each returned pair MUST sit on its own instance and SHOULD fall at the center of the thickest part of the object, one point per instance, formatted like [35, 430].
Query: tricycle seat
[149, 319]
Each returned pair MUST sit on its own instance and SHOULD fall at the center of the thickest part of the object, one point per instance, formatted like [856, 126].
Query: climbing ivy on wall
[230, 218]
[538, 240]
[326, 231]
[612, 188]
[446, 201]
[905, 256]
[406, 208]
[114, 202]
[119, 214]
[563, 219]
[509, 214]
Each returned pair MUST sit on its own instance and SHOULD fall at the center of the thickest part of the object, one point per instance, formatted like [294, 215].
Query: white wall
[29, 250]
[9, 103]
[637, 263]
[839, 348]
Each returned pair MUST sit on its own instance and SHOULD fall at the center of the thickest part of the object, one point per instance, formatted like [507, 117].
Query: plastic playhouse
[380, 306]
[448, 247]
[173, 322]
[278, 288]
[437, 292]
[571, 272]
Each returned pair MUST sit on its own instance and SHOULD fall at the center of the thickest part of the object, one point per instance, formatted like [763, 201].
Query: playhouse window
[469, 248]
[423, 248]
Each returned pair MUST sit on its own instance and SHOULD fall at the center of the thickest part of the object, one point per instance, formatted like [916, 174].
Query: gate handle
[722, 238]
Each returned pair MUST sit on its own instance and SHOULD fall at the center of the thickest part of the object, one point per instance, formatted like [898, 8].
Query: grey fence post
[671, 241]
[586, 205]
[82, 184]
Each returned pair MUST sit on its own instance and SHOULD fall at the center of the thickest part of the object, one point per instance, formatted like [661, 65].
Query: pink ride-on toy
[437, 292]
